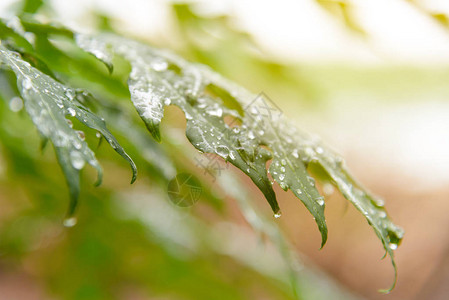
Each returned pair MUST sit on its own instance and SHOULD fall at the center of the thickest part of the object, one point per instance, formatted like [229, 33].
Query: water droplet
[295, 153]
[231, 155]
[311, 180]
[282, 169]
[251, 135]
[71, 111]
[382, 214]
[298, 191]
[81, 134]
[393, 246]
[328, 189]
[70, 123]
[320, 201]
[16, 104]
[70, 94]
[98, 134]
[159, 65]
[379, 202]
[77, 160]
[283, 162]
[223, 151]
[319, 150]
[278, 215]
[70, 222]
[77, 144]
[217, 112]
[27, 84]
[281, 176]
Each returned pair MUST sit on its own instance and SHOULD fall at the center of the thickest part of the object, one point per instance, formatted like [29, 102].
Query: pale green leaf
[48, 102]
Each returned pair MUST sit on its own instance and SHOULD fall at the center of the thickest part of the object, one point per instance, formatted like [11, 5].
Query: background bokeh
[369, 77]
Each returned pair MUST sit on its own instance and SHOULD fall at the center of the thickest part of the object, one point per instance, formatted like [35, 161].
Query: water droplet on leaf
[16, 104]
[70, 222]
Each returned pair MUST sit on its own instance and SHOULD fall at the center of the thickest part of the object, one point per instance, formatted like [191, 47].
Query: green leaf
[48, 102]
[154, 84]
[159, 78]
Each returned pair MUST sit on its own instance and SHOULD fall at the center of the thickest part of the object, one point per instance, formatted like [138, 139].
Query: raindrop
[320, 201]
[77, 160]
[98, 134]
[393, 246]
[231, 155]
[223, 151]
[319, 150]
[27, 84]
[71, 111]
[159, 65]
[281, 176]
[81, 134]
[218, 112]
[70, 123]
[298, 191]
[295, 153]
[70, 94]
[16, 104]
[328, 189]
[382, 214]
[70, 222]
[77, 144]
[311, 180]
[278, 215]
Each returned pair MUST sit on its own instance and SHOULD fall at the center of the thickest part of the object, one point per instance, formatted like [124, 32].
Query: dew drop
[319, 150]
[298, 191]
[159, 66]
[70, 94]
[382, 214]
[281, 176]
[71, 111]
[295, 153]
[81, 135]
[223, 151]
[98, 134]
[16, 104]
[393, 246]
[27, 84]
[231, 155]
[328, 189]
[320, 201]
[278, 215]
[77, 160]
[70, 222]
[218, 112]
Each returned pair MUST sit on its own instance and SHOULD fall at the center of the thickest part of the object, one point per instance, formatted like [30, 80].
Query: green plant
[47, 60]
